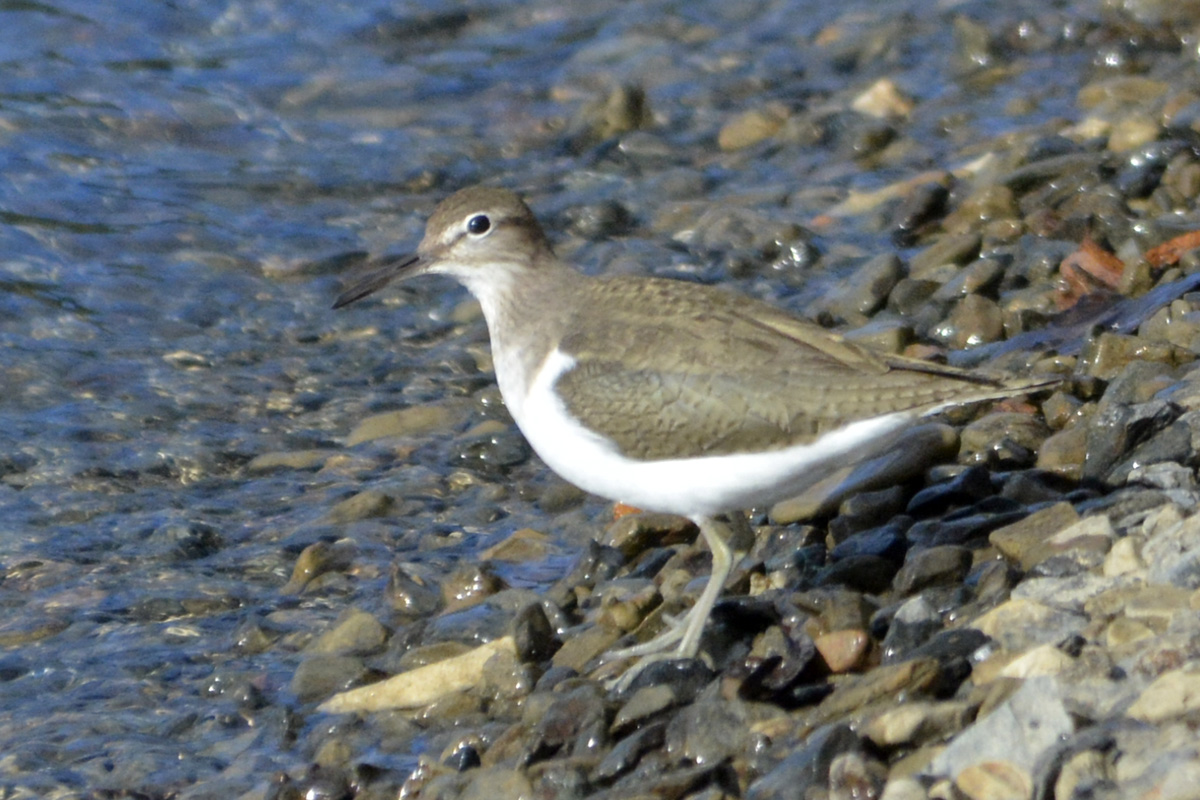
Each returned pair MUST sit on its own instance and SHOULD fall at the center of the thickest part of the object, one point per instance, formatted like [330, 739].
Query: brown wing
[729, 374]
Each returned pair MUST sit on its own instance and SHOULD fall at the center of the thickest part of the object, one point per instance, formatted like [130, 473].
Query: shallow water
[182, 185]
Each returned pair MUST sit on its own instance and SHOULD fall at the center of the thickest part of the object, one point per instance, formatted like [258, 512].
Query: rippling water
[181, 185]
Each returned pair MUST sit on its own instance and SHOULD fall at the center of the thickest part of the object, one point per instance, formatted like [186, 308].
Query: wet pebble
[411, 421]
[932, 566]
[319, 676]
[355, 633]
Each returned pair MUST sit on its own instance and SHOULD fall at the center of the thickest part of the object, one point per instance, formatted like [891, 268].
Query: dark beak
[384, 271]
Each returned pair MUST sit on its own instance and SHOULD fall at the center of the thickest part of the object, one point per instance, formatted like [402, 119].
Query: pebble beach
[256, 548]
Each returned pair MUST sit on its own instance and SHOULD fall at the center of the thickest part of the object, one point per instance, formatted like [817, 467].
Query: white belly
[689, 486]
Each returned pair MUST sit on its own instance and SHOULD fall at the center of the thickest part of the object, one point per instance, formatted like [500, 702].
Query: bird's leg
[688, 630]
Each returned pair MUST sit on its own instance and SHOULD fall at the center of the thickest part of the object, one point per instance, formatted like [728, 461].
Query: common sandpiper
[668, 395]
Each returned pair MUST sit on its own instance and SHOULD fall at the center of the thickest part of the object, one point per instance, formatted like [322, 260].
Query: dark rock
[686, 676]
[932, 566]
[909, 295]
[867, 573]
[781, 658]
[806, 767]
[887, 542]
[949, 645]
[187, 541]
[1172, 444]
[778, 549]
[320, 676]
[408, 592]
[598, 221]
[966, 488]
[908, 627]
[574, 724]
[1030, 487]
[1114, 429]
[923, 207]
[596, 563]
[863, 293]
[534, 635]
[708, 731]
[625, 754]
[961, 528]
[492, 455]
[866, 510]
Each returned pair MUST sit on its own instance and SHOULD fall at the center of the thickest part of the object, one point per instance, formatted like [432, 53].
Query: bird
[670, 395]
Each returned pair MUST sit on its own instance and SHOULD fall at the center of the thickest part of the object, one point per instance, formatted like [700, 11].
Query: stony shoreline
[227, 507]
[1019, 622]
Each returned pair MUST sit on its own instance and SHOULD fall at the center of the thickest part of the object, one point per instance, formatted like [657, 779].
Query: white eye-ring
[479, 224]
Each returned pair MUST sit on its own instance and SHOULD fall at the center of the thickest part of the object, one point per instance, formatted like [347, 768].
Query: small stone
[1172, 553]
[574, 723]
[1157, 605]
[977, 278]
[1028, 542]
[752, 127]
[1106, 355]
[524, 545]
[1020, 624]
[912, 678]
[1080, 773]
[1019, 731]
[364, 505]
[995, 780]
[423, 685]
[533, 634]
[987, 203]
[1064, 453]
[708, 731]
[316, 560]
[1172, 694]
[643, 704]
[626, 753]
[1060, 408]
[505, 678]
[862, 572]
[497, 783]
[843, 651]
[853, 776]
[1122, 631]
[579, 650]
[807, 766]
[469, 584]
[910, 295]
[883, 100]
[355, 633]
[633, 534]
[1123, 558]
[932, 566]
[904, 788]
[1042, 660]
[1003, 437]
[917, 722]
[412, 421]
[973, 321]
[1131, 132]
[291, 459]
[959, 248]
[409, 592]
[321, 676]
[864, 292]
[966, 488]
[883, 334]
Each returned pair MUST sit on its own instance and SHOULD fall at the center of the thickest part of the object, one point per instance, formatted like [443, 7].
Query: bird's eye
[478, 225]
